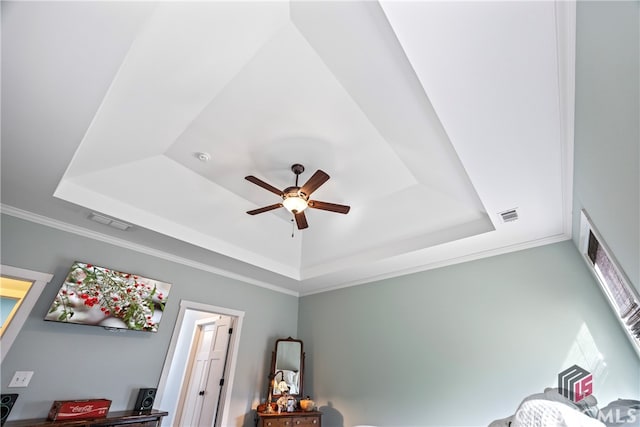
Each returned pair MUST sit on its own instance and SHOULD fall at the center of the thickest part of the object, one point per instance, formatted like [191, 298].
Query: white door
[207, 372]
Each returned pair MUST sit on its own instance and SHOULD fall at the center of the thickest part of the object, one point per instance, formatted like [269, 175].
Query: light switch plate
[21, 379]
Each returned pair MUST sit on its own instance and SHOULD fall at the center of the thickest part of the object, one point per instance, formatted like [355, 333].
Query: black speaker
[145, 399]
[6, 403]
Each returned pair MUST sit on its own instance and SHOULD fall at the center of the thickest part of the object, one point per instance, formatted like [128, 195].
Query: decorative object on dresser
[307, 404]
[113, 419]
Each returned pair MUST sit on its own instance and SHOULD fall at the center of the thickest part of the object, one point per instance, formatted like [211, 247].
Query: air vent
[109, 221]
[509, 216]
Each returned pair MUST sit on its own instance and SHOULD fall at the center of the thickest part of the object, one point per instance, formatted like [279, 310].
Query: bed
[552, 409]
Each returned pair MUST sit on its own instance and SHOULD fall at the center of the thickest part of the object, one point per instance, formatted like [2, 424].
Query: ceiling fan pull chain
[293, 228]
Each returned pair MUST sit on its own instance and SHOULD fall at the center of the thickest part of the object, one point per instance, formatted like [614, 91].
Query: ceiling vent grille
[109, 221]
[509, 216]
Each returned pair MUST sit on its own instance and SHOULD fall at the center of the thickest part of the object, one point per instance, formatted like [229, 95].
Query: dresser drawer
[277, 422]
[312, 421]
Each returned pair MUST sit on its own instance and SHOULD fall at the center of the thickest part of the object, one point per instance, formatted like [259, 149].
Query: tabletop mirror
[287, 368]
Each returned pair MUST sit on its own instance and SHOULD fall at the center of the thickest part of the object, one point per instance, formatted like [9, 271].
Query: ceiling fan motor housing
[293, 192]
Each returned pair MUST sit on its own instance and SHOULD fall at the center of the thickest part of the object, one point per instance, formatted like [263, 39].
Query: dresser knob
[315, 421]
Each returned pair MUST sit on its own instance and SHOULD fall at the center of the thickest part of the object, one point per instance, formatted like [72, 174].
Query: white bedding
[546, 413]
[552, 409]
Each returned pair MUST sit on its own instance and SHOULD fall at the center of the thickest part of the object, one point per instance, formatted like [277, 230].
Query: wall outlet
[21, 379]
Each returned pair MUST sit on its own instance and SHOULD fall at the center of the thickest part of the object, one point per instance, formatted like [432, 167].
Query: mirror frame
[274, 356]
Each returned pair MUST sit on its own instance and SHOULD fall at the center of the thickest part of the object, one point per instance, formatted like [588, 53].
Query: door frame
[175, 369]
[198, 331]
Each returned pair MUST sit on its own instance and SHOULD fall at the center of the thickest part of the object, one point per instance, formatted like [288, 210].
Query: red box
[79, 409]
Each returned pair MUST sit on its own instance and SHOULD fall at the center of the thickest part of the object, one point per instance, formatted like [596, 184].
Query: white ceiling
[430, 117]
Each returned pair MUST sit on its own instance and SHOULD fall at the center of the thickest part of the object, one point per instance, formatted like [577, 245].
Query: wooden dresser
[290, 419]
[117, 418]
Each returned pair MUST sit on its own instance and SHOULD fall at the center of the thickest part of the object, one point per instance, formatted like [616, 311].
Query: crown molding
[104, 238]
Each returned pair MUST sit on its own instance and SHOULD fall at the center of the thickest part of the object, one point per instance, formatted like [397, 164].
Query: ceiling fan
[296, 199]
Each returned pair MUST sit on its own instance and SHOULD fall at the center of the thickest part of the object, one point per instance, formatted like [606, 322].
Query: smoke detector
[203, 157]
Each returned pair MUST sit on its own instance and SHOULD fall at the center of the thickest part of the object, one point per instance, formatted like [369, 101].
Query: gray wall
[607, 136]
[462, 345]
[79, 362]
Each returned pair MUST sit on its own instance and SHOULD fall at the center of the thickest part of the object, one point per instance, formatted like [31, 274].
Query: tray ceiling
[431, 119]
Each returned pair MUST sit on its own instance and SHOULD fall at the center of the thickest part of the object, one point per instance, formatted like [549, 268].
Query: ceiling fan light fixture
[294, 203]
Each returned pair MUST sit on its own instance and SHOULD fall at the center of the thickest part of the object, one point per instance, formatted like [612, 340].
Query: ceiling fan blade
[325, 206]
[265, 209]
[261, 183]
[301, 220]
[316, 180]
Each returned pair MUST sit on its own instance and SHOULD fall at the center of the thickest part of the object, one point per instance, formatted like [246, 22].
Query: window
[12, 292]
[19, 290]
[622, 296]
